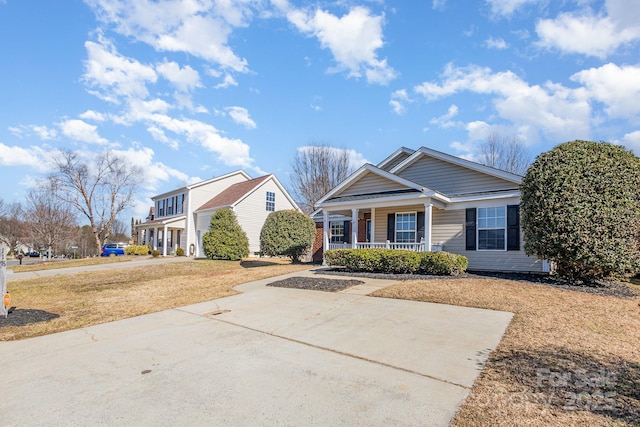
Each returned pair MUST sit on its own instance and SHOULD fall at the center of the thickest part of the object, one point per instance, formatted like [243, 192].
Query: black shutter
[391, 227]
[420, 226]
[347, 233]
[470, 228]
[513, 227]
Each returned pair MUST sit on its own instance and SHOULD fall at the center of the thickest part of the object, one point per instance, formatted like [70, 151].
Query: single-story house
[179, 218]
[426, 200]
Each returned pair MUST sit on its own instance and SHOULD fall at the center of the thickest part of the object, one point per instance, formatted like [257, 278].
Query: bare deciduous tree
[51, 222]
[12, 227]
[505, 153]
[317, 169]
[99, 190]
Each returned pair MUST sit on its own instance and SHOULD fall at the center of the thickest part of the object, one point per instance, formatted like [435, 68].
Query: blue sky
[191, 89]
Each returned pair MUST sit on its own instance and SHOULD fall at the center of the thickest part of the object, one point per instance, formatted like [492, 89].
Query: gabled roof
[201, 183]
[424, 151]
[402, 151]
[369, 168]
[234, 194]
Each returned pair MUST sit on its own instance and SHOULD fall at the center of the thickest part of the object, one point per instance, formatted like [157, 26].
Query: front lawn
[567, 358]
[58, 303]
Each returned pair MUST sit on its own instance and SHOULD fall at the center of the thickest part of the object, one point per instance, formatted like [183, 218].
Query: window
[405, 227]
[271, 201]
[337, 232]
[180, 204]
[170, 206]
[492, 226]
[160, 208]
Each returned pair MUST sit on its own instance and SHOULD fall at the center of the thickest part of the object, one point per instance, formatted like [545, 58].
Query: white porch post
[326, 229]
[427, 226]
[155, 239]
[164, 241]
[354, 228]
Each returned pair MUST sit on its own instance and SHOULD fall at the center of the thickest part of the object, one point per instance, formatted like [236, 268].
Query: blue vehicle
[113, 249]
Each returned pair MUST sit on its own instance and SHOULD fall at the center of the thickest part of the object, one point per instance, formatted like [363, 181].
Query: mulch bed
[609, 288]
[23, 317]
[316, 283]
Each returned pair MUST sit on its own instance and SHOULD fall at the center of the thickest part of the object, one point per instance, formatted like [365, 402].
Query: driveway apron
[268, 356]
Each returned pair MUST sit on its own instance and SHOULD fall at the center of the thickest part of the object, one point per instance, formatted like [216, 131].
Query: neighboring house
[181, 217]
[426, 200]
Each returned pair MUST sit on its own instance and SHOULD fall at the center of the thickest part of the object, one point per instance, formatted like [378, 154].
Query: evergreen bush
[287, 233]
[225, 238]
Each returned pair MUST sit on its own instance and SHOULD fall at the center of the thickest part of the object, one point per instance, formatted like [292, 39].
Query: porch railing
[416, 247]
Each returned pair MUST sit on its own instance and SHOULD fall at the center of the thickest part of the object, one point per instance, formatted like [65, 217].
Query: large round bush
[288, 233]
[580, 209]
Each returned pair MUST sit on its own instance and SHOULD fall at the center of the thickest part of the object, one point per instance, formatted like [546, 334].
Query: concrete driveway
[269, 356]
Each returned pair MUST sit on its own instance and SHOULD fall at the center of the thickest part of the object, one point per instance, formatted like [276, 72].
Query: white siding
[252, 212]
[448, 178]
[371, 183]
[197, 197]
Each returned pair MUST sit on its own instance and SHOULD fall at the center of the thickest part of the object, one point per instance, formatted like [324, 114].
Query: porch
[415, 247]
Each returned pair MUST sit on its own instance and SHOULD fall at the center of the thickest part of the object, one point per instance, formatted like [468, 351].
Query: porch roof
[175, 221]
[374, 195]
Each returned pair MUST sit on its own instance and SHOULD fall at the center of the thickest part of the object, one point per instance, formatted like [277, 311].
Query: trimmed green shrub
[287, 233]
[379, 260]
[136, 250]
[581, 209]
[179, 252]
[225, 238]
[443, 263]
[155, 253]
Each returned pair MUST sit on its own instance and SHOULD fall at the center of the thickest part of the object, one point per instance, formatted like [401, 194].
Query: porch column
[325, 233]
[354, 228]
[155, 239]
[164, 241]
[427, 226]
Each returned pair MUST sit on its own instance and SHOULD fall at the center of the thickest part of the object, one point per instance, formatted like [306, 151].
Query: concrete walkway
[268, 356]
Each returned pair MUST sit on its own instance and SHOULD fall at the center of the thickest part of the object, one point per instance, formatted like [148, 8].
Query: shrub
[179, 252]
[289, 233]
[581, 209]
[155, 253]
[225, 238]
[379, 260]
[136, 250]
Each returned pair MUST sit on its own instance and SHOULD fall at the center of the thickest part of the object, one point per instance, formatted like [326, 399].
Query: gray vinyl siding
[448, 228]
[395, 162]
[371, 183]
[450, 179]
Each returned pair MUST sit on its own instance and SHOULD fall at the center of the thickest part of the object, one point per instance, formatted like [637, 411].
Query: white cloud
[113, 76]
[43, 132]
[399, 100]
[33, 157]
[618, 88]
[159, 135]
[199, 28]
[592, 34]
[498, 43]
[444, 121]
[241, 116]
[353, 40]
[226, 82]
[506, 8]
[632, 141]
[438, 4]
[559, 113]
[81, 131]
[93, 116]
[185, 79]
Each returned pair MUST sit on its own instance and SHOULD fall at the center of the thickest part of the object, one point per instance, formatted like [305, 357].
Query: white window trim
[331, 235]
[478, 229]
[272, 202]
[415, 229]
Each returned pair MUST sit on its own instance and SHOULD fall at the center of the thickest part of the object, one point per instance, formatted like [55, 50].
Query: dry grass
[86, 299]
[53, 264]
[567, 358]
